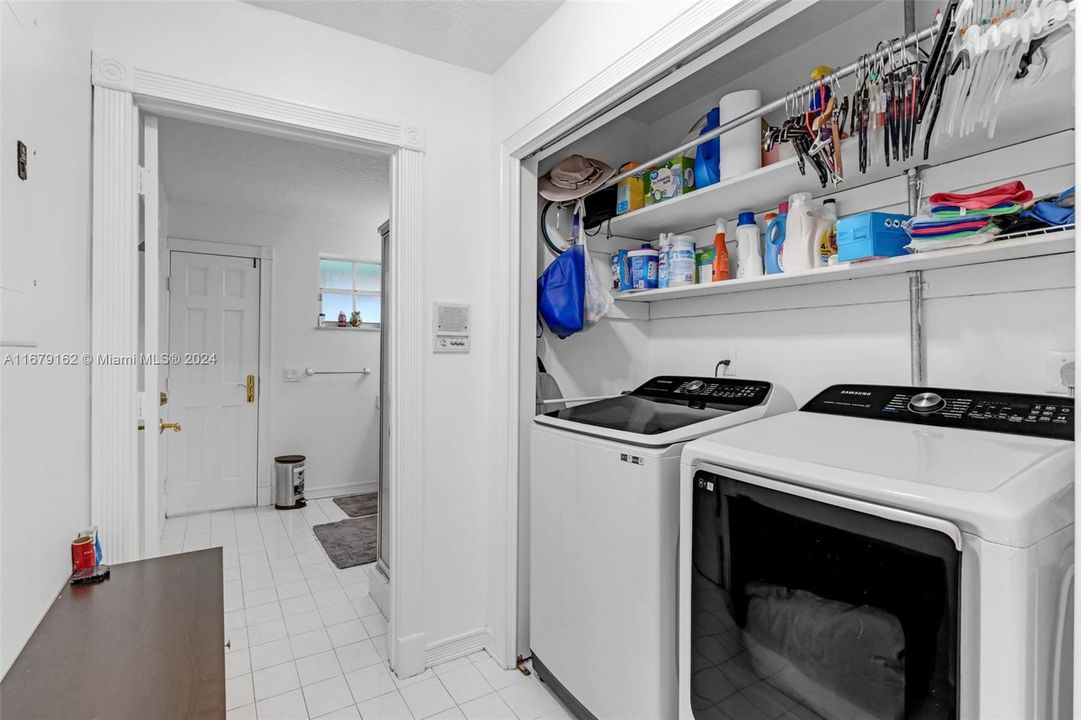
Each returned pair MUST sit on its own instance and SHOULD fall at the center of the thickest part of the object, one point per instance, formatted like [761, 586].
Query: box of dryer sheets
[670, 180]
[871, 235]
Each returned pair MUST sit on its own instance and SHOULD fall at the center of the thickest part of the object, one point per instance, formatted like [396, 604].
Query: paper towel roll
[741, 148]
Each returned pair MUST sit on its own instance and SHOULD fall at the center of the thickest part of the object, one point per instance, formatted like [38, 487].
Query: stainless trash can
[289, 482]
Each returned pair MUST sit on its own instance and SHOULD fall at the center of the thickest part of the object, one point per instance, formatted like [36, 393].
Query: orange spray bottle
[720, 254]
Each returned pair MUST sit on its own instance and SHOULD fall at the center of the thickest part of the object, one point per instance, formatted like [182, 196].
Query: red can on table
[82, 554]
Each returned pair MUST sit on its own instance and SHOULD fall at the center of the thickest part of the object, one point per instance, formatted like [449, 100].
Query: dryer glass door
[818, 611]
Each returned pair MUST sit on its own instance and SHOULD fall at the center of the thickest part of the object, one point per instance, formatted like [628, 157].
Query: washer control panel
[701, 391]
[1049, 416]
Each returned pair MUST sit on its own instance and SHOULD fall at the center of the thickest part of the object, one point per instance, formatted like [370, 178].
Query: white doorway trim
[673, 51]
[123, 88]
[264, 468]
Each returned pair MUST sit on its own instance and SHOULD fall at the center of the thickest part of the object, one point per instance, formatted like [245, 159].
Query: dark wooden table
[147, 643]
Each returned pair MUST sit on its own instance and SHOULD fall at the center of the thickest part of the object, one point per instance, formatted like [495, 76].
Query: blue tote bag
[561, 290]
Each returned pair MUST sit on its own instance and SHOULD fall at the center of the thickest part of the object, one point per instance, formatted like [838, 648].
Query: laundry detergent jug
[775, 231]
[801, 234]
[748, 255]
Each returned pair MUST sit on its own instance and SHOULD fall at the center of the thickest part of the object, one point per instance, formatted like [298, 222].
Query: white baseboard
[410, 656]
[456, 647]
[495, 649]
[315, 493]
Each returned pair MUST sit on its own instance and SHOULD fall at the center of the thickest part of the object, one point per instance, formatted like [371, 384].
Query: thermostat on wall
[451, 334]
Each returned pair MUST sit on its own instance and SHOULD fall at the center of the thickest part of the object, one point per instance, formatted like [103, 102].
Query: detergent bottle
[801, 234]
[707, 158]
[827, 241]
[748, 252]
[775, 233]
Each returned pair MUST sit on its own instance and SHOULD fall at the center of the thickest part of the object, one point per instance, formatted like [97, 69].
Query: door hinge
[145, 181]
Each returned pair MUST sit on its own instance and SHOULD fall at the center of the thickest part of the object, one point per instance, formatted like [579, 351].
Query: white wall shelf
[762, 189]
[1050, 243]
[368, 327]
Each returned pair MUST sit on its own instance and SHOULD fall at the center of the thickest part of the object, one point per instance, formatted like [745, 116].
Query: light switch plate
[292, 374]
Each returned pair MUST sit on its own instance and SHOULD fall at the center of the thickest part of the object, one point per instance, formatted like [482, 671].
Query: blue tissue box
[871, 235]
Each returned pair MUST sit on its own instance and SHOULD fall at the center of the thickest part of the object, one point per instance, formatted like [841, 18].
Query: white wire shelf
[1053, 241]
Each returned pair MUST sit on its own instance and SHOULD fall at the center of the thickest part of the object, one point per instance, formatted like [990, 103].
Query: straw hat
[574, 177]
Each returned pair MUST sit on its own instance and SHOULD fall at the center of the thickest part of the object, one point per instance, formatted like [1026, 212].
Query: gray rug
[349, 542]
[361, 505]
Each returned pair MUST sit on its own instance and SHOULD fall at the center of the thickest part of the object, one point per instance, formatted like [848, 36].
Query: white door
[214, 333]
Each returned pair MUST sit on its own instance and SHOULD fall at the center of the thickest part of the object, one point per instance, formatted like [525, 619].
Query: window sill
[370, 327]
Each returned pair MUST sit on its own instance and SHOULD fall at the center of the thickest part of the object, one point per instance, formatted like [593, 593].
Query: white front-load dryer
[885, 552]
[604, 524]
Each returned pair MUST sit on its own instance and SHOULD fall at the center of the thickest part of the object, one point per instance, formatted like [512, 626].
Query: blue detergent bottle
[775, 240]
[707, 159]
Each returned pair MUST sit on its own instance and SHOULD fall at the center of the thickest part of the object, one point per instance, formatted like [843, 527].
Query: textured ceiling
[218, 166]
[478, 34]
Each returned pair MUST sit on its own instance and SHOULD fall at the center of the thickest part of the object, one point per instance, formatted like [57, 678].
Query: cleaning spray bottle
[721, 270]
[748, 252]
[775, 232]
[664, 247]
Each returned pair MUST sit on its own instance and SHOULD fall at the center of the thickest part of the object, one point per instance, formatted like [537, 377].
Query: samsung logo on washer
[862, 393]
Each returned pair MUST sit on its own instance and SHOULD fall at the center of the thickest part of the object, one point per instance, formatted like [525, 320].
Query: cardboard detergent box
[871, 235]
[670, 180]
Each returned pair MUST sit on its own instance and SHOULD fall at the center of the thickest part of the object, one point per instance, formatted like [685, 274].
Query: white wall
[331, 419]
[581, 39]
[44, 240]
[265, 52]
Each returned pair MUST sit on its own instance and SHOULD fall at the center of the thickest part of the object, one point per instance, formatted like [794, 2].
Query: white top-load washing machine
[604, 522]
[885, 552]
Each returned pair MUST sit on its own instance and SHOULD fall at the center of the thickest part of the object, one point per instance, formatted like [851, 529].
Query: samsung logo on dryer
[861, 393]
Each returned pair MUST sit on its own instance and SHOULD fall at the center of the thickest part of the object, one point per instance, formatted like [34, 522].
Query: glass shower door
[383, 535]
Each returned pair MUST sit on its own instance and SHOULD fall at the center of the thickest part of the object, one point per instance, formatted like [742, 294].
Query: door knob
[163, 426]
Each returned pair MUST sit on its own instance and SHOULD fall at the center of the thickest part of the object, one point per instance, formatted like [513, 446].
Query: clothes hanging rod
[894, 46]
[313, 371]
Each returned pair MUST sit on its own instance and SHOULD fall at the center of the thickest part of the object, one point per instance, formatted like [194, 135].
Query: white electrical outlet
[1056, 359]
[728, 370]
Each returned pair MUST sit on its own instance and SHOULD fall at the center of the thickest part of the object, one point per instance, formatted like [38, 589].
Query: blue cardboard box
[871, 235]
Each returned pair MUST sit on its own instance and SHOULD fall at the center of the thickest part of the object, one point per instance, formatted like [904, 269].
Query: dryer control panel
[1049, 416]
[702, 391]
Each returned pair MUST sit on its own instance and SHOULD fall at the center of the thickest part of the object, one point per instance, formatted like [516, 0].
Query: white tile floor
[307, 641]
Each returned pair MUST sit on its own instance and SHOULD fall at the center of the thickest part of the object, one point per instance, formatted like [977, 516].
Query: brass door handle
[249, 387]
[163, 426]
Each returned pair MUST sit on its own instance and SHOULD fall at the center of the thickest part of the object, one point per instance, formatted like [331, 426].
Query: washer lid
[1008, 489]
[664, 410]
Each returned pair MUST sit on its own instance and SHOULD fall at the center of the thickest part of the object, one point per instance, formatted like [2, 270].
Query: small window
[348, 286]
